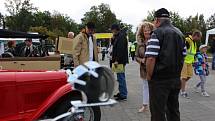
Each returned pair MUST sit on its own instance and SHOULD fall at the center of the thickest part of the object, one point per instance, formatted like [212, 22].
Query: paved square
[197, 108]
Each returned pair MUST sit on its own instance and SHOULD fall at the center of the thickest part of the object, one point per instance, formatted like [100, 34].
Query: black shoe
[117, 95]
[121, 98]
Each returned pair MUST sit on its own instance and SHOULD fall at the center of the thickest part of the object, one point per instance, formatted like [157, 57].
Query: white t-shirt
[90, 48]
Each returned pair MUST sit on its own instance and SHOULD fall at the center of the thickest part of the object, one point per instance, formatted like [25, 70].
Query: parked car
[45, 95]
[29, 92]
[43, 62]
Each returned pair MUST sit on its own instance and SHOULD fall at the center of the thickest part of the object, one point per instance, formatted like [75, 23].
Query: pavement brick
[197, 108]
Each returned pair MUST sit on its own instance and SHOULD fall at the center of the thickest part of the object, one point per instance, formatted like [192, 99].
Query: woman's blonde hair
[140, 31]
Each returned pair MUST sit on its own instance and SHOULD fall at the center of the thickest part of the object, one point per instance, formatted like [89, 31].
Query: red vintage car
[45, 95]
[35, 95]
[32, 95]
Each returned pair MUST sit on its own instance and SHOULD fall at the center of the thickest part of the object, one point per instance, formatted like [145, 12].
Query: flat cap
[161, 13]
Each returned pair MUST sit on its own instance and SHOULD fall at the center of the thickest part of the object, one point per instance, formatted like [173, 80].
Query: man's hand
[143, 60]
[148, 77]
[115, 63]
[150, 64]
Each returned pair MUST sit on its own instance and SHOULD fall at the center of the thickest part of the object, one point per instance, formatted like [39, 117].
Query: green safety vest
[191, 51]
[133, 48]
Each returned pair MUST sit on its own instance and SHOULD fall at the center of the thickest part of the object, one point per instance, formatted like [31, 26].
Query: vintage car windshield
[38, 41]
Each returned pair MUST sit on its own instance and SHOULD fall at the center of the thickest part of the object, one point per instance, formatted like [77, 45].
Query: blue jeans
[213, 62]
[122, 85]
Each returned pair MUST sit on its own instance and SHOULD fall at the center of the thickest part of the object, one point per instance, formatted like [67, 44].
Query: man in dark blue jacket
[120, 57]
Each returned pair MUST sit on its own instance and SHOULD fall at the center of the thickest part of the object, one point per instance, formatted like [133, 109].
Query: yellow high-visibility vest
[133, 48]
[191, 51]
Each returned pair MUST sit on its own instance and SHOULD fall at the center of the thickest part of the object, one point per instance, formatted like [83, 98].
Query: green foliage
[39, 29]
[22, 21]
[42, 19]
[186, 25]
[1, 19]
[211, 22]
[150, 16]
[44, 30]
[131, 34]
[178, 21]
[62, 24]
[102, 16]
[16, 6]
[23, 16]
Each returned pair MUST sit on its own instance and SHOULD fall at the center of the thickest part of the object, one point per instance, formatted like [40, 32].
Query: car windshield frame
[15, 34]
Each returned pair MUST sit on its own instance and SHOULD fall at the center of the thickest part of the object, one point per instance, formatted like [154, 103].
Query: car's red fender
[50, 101]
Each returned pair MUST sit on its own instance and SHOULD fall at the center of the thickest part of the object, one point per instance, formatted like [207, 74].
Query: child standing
[201, 69]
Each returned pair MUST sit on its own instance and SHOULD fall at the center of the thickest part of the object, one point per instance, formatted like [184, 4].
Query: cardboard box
[64, 45]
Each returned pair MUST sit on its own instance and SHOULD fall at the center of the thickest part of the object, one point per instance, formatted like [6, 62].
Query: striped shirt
[184, 50]
[153, 47]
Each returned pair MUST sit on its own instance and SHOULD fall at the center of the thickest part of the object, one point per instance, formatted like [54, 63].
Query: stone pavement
[197, 108]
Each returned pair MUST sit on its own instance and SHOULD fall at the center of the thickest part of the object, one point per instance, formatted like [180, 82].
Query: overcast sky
[129, 11]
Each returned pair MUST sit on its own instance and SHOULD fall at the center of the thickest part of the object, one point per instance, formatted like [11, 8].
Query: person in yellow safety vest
[187, 70]
[132, 51]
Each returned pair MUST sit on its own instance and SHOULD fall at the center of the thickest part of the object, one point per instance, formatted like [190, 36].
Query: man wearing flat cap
[165, 56]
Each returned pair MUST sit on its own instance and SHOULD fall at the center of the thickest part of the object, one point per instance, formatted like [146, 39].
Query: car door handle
[22, 64]
[14, 62]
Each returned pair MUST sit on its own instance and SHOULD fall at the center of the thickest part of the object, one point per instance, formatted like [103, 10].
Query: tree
[211, 22]
[15, 6]
[21, 18]
[130, 33]
[202, 27]
[42, 19]
[44, 30]
[20, 22]
[150, 16]
[102, 16]
[178, 21]
[1, 19]
[185, 25]
[196, 22]
[62, 24]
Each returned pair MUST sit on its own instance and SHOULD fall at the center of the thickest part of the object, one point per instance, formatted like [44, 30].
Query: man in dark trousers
[120, 56]
[132, 51]
[165, 56]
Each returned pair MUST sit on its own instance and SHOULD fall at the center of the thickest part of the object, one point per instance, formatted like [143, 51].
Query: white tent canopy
[209, 32]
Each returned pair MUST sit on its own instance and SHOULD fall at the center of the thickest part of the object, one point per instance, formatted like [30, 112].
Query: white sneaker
[182, 93]
[205, 94]
[196, 90]
[185, 95]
